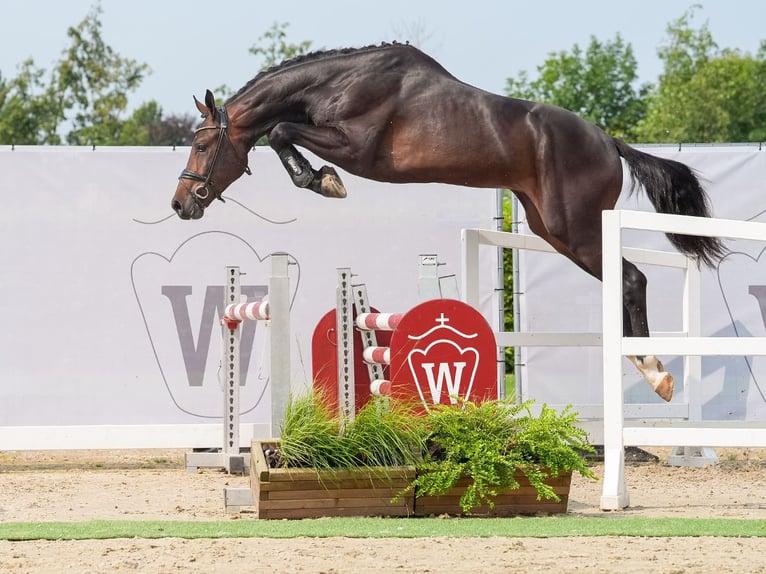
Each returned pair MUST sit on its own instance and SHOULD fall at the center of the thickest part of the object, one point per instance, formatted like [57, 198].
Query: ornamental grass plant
[383, 433]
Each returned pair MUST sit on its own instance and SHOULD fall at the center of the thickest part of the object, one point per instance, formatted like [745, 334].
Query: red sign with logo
[441, 351]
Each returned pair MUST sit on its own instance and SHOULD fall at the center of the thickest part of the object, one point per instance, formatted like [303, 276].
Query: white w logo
[444, 364]
[444, 374]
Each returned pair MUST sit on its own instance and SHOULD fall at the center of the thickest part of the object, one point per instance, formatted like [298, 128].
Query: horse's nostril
[176, 205]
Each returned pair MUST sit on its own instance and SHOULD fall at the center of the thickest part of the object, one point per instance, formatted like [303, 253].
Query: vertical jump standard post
[275, 313]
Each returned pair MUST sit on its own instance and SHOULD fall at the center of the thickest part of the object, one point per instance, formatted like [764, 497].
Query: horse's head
[215, 162]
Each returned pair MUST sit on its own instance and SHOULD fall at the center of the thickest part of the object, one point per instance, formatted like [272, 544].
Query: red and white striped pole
[380, 387]
[253, 311]
[377, 355]
[378, 321]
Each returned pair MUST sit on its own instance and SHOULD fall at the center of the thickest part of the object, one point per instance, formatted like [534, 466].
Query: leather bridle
[202, 192]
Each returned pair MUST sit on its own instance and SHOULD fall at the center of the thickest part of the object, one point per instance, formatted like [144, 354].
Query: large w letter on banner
[195, 356]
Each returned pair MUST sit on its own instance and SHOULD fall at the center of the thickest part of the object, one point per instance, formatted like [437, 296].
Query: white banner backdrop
[557, 296]
[110, 306]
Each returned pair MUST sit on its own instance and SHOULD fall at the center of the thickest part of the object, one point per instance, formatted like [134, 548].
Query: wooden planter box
[307, 493]
[522, 500]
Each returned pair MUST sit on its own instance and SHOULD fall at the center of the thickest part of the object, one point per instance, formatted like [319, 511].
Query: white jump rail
[618, 434]
[474, 239]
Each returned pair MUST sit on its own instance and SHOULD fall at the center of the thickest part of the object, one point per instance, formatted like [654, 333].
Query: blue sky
[193, 45]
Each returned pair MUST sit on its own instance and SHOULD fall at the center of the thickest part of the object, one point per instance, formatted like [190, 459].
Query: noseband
[202, 192]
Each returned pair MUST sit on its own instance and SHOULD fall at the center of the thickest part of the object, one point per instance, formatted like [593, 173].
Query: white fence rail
[618, 434]
[591, 414]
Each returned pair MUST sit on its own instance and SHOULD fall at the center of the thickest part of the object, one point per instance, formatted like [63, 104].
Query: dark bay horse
[391, 113]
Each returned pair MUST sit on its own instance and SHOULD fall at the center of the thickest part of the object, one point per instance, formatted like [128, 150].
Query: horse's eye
[201, 148]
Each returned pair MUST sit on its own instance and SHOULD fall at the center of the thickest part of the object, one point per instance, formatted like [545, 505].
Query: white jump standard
[275, 313]
[618, 434]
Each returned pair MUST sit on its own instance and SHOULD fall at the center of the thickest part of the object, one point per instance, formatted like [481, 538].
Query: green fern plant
[490, 442]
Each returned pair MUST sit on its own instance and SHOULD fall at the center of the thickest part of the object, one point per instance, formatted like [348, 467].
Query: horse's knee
[280, 136]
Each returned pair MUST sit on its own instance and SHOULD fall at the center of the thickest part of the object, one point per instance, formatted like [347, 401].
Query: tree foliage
[94, 82]
[273, 46]
[148, 126]
[705, 94]
[29, 110]
[83, 100]
[598, 84]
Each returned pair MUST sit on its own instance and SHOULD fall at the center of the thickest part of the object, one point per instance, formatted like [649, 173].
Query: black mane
[313, 56]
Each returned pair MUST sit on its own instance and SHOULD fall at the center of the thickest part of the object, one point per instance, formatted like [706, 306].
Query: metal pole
[231, 334]
[344, 325]
[500, 296]
[279, 313]
[517, 378]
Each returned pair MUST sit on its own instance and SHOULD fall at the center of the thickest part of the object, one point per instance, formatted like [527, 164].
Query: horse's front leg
[325, 181]
[635, 324]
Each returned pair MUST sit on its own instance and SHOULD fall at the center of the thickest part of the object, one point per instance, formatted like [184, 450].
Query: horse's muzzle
[188, 207]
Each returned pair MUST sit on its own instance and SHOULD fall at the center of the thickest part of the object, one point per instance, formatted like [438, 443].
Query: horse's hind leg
[587, 255]
[324, 181]
[635, 324]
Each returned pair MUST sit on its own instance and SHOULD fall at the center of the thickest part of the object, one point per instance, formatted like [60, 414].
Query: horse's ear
[210, 102]
[201, 107]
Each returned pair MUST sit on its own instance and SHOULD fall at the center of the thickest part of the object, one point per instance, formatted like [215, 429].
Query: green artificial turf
[543, 527]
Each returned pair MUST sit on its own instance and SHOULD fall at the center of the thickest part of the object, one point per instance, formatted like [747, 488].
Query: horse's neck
[275, 97]
[284, 92]
[260, 107]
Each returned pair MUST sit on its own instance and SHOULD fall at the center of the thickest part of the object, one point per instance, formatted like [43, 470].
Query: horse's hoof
[664, 387]
[331, 185]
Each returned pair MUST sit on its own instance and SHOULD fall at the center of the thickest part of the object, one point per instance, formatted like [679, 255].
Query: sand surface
[154, 485]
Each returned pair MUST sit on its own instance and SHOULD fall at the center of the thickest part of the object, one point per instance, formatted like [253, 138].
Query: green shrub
[490, 442]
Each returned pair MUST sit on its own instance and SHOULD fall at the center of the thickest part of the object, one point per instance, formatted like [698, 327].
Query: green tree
[86, 92]
[705, 94]
[148, 126]
[273, 47]
[29, 112]
[172, 130]
[95, 81]
[598, 84]
[135, 130]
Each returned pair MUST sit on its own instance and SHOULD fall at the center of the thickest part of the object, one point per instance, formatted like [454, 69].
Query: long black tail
[673, 188]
